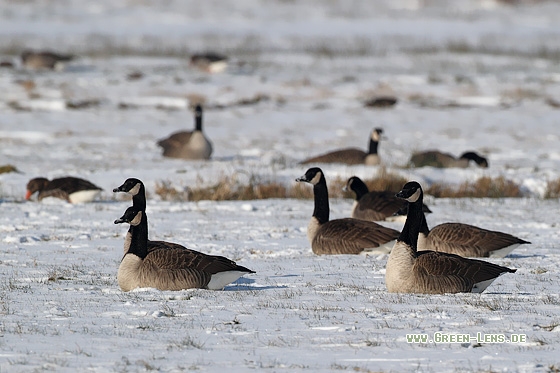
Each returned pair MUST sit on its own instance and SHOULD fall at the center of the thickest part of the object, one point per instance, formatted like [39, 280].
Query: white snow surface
[469, 75]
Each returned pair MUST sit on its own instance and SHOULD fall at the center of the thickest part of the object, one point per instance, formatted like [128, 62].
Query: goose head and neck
[472, 156]
[372, 157]
[412, 192]
[356, 185]
[35, 185]
[137, 237]
[198, 118]
[136, 189]
[315, 177]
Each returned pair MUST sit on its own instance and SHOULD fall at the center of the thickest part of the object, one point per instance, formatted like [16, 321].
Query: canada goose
[431, 272]
[376, 205]
[136, 189]
[467, 240]
[43, 60]
[341, 236]
[209, 62]
[352, 155]
[438, 159]
[169, 266]
[71, 189]
[188, 144]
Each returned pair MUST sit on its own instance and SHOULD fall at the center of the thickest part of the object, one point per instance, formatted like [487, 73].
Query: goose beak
[345, 188]
[120, 220]
[400, 195]
[119, 189]
[28, 195]
[302, 179]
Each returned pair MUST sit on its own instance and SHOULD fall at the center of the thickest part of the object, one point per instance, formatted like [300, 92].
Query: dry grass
[484, 187]
[231, 189]
[552, 189]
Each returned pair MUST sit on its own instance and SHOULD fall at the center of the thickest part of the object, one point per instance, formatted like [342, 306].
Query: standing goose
[352, 155]
[71, 189]
[438, 159]
[188, 144]
[169, 266]
[376, 205]
[431, 272]
[467, 240]
[341, 236]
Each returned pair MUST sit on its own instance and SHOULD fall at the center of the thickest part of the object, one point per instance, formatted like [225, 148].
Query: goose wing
[469, 240]
[176, 140]
[70, 185]
[453, 272]
[351, 236]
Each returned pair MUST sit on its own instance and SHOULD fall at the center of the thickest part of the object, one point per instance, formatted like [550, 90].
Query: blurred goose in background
[44, 60]
[209, 62]
[342, 236]
[71, 189]
[352, 155]
[376, 205]
[188, 144]
[411, 271]
[166, 265]
[438, 159]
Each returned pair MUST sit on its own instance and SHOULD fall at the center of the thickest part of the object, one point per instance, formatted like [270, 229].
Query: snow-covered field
[469, 75]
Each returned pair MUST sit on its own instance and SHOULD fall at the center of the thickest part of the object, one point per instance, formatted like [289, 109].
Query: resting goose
[209, 62]
[352, 155]
[71, 189]
[188, 144]
[438, 159]
[169, 266]
[342, 236]
[376, 205]
[467, 240]
[431, 272]
[43, 60]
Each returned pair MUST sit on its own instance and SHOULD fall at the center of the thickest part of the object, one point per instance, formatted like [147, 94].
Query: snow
[469, 75]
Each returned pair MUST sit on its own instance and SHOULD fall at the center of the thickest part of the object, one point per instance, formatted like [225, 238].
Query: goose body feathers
[341, 236]
[467, 240]
[412, 271]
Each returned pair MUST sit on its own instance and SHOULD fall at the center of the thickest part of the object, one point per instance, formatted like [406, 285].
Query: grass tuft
[484, 187]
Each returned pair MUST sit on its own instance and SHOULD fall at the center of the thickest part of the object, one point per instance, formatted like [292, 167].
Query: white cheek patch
[375, 136]
[134, 191]
[316, 178]
[413, 198]
[137, 219]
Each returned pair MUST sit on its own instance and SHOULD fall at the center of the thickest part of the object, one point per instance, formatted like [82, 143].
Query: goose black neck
[139, 199]
[139, 238]
[414, 221]
[360, 188]
[424, 226]
[373, 144]
[198, 121]
[321, 195]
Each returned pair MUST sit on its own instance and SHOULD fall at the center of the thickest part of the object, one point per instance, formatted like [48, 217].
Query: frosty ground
[473, 75]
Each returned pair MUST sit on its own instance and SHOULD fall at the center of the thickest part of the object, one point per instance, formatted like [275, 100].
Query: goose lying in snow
[438, 159]
[467, 240]
[431, 272]
[352, 155]
[47, 60]
[71, 189]
[188, 144]
[342, 236]
[376, 205]
[169, 266]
